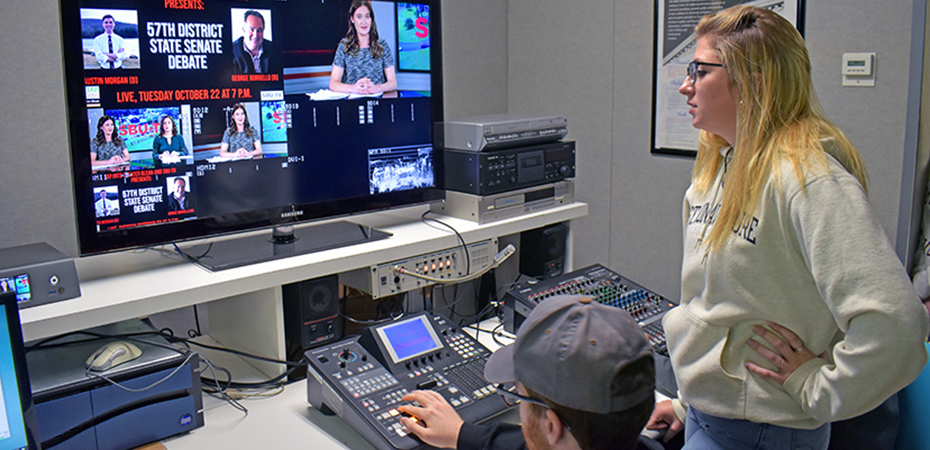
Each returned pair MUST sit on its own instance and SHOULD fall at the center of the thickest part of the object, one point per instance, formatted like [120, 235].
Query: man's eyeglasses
[693, 69]
[512, 398]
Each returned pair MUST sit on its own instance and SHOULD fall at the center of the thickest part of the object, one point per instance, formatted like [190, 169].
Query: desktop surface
[287, 418]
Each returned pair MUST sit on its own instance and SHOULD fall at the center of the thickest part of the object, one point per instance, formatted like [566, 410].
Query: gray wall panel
[647, 189]
[474, 57]
[873, 118]
[34, 153]
[561, 62]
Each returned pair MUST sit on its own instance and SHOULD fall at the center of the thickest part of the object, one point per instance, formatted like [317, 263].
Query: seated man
[584, 378]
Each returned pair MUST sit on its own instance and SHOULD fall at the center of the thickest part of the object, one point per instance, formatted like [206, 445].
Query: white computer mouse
[112, 355]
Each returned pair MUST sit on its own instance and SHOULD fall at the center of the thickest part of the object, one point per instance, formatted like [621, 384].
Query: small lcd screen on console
[409, 338]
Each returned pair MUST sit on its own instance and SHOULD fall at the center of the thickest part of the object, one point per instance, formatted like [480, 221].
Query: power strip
[382, 280]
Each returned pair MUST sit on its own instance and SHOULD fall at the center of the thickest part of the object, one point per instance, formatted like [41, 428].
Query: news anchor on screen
[107, 148]
[240, 140]
[168, 146]
[109, 47]
[364, 63]
[252, 53]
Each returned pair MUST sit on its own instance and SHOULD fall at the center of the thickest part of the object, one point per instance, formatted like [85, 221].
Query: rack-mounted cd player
[505, 170]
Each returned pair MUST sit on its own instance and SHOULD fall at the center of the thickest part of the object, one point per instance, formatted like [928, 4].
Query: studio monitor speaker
[311, 312]
[542, 251]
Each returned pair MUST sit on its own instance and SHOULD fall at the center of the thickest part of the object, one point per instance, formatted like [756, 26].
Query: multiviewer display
[190, 118]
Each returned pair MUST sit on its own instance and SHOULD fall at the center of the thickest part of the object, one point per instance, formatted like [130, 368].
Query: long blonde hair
[778, 116]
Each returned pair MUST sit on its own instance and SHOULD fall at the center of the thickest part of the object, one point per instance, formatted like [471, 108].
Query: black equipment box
[486, 173]
[39, 274]
[76, 410]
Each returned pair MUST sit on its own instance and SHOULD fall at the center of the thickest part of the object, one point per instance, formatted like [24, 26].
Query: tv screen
[195, 118]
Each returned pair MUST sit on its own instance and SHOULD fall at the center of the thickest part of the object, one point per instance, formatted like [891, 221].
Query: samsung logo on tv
[285, 215]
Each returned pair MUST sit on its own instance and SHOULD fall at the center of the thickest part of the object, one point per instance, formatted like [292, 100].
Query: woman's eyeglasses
[693, 69]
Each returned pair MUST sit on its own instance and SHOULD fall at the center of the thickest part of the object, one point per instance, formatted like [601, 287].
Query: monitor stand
[284, 242]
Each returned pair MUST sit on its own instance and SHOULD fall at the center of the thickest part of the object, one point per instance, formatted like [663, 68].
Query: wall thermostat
[858, 69]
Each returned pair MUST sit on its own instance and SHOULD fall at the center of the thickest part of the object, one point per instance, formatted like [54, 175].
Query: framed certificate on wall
[674, 45]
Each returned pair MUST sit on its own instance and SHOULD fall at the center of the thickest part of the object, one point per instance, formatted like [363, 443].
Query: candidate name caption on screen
[91, 81]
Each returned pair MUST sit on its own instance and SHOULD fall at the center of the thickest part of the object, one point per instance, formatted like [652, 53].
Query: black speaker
[311, 312]
[542, 251]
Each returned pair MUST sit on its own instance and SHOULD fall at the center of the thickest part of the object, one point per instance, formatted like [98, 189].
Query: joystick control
[347, 355]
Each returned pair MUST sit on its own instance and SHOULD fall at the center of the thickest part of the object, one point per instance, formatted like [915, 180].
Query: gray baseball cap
[569, 350]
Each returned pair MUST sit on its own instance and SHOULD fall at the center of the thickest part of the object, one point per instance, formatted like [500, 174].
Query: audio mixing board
[599, 282]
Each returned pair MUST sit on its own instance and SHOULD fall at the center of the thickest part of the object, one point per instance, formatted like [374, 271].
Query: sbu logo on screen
[423, 25]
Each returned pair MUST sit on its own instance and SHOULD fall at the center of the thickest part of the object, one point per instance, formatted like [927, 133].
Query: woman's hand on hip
[789, 354]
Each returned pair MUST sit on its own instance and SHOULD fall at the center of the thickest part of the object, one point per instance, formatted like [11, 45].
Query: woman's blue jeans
[706, 432]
